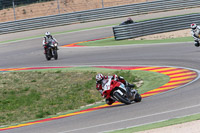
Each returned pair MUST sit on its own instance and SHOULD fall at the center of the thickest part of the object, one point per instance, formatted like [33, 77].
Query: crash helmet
[99, 77]
[47, 34]
[129, 19]
[115, 77]
[193, 26]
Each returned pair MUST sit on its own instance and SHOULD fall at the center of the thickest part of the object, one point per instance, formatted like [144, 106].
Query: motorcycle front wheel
[47, 55]
[55, 54]
[121, 98]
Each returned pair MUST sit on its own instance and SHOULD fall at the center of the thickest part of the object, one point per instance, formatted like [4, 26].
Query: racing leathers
[47, 40]
[114, 77]
[128, 21]
[196, 35]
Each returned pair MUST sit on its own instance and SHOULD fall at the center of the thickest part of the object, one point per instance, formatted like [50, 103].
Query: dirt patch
[53, 8]
[167, 35]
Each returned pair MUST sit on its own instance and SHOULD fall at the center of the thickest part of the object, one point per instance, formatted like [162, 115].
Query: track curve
[179, 77]
[183, 101]
[156, 108]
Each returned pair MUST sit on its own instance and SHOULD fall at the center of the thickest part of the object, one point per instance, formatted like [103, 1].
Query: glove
[131, 85]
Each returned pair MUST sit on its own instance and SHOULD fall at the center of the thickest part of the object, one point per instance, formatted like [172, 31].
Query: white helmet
[99, 77]
[115, 77]
[193, 26]
[47, 33]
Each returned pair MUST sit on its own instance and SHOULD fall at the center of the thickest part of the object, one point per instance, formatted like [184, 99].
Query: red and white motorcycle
[118, 92]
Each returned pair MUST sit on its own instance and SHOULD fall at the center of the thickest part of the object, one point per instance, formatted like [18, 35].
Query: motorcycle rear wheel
[138, 98]
[121, 98]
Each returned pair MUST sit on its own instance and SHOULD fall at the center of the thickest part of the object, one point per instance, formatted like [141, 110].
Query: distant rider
[101, 79]
[128, 21]
[195, 34]
[48, 37]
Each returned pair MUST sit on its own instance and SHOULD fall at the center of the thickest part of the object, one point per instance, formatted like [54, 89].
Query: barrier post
[13, 2]
[58, 6]
[102, 4]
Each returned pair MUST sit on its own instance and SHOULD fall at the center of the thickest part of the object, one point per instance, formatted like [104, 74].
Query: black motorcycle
[51, 50]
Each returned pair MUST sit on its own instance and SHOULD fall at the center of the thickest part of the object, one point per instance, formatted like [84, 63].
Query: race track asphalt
[180, 102]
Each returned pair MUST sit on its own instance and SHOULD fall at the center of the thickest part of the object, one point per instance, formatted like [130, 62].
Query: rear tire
[138, 98]
[121, 98]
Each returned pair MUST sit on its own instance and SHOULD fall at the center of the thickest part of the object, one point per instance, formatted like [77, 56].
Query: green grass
[39, 94]
[147, 76]
[33, 95]
[112, 41]
[160, 124]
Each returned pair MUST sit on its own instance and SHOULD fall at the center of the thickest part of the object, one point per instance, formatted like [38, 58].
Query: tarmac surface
[183, 101]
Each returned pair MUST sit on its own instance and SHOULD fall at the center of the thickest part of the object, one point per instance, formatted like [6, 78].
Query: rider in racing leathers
[48, 37]
[100, 79]
[128, 21]
[195, 34]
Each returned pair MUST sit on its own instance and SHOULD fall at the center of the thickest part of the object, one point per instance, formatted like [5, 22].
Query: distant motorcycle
[51, 50]
[118, 92]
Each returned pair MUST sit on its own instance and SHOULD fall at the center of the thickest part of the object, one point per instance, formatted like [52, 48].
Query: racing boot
[133, 93]
[45, 49]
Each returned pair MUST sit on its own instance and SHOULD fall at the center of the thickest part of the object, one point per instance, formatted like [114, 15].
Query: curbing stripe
[75, 44]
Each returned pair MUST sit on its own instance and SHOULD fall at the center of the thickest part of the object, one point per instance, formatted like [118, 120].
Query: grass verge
[38, 94]
[160, 124]
[111, 41]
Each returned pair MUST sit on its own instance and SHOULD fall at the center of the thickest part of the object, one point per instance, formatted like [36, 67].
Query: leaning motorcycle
[51, 50]
[118, 92]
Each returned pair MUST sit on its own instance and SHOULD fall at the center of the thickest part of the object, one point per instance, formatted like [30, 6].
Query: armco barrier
[96, 14]
[155, 26]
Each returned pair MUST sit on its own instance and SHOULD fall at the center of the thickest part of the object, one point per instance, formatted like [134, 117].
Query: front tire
[55, 54]
[121, 98]
[47, 55]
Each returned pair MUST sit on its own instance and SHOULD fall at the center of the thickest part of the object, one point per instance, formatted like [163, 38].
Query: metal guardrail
[155, 26]
[96, 14]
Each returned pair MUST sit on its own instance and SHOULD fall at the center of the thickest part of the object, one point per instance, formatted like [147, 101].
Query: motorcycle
[51, 50]
[118, 92]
